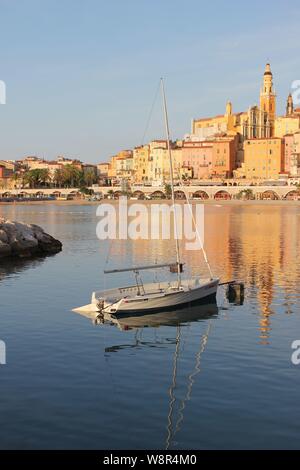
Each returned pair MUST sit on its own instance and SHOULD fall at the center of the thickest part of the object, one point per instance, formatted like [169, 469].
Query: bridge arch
[158, 195]
[117, 194]
[269, 194]
[200, 194]
[55, 194]
[179, 194]
[138, 194]
[292, 195]
[222, 194]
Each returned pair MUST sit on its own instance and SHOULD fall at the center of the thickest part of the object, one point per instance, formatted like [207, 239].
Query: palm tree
[44, 176]
[58, 178]
[89, 177]
[17, 180]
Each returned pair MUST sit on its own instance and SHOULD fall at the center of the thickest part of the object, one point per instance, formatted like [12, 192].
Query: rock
[3, 236]
[24, 240]
[5, 249]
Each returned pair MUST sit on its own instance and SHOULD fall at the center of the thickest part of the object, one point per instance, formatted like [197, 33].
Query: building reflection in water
[257, 244]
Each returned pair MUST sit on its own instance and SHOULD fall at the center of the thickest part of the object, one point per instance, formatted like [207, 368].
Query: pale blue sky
[81, 75]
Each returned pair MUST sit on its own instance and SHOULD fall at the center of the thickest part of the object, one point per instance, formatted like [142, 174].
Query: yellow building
[222, 123]
[103, 168]
[158, 159]
[159, 164]
[124, 165]
[141, 163]
[112, 171]
[286, 125]
[263, 158]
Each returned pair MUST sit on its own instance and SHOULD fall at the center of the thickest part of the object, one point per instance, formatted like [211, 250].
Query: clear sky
[81, 75]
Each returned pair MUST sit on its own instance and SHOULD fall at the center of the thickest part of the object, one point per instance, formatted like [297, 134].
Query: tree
[86, 191]
[58, 178]
[168, 191]
[89, 177]
[72, 176]
[245, 194]
[37, 177]
[44, 176]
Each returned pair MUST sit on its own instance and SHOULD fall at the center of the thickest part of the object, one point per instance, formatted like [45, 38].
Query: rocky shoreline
[25, 240]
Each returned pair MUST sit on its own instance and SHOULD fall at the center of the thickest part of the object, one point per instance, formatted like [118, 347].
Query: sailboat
[158, 296]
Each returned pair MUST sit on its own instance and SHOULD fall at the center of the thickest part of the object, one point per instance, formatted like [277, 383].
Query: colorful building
[199, 157]
[224, 157]
[103, 169]
[263, 158]
[141, 163]
[124, 164]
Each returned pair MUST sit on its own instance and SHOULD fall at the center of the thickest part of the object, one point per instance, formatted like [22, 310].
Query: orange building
[264, 158]
[224, 157]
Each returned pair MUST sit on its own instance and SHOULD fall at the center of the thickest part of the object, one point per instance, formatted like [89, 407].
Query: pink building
[199, 157]
[288, 151]
[292, 154]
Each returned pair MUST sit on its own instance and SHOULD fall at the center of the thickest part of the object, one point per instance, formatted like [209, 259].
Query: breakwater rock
[25, 240]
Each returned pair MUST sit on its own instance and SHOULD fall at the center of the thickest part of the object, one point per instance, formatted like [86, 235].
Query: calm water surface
[210, 378]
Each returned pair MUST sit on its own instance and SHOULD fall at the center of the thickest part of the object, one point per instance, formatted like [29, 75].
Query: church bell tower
[289, 106]
[268, 97]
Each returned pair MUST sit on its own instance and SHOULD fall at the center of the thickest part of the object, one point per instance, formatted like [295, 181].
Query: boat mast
[172, 181]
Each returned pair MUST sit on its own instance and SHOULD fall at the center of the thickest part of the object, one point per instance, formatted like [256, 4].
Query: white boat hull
[154, 298]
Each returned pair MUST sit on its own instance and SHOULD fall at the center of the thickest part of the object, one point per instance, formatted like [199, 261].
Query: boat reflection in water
[175, 318]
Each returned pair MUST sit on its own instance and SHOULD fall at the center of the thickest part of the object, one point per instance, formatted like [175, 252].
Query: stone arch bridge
[208, 192]
[142, 192]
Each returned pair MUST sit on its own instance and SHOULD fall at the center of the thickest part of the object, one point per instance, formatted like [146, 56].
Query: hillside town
[248, 148]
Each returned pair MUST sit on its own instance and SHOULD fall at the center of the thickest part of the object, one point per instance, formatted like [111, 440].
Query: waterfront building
[211, 158]
[9, 164]
[224, 156]
[292, 154]
[140, 163]
[6, 175]
[159, 166]
[103, 169]
[198, 156]
[158, 161]
[124, 165]
[288, 153]
[263, 158]
[112, 171]
[5, 172]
